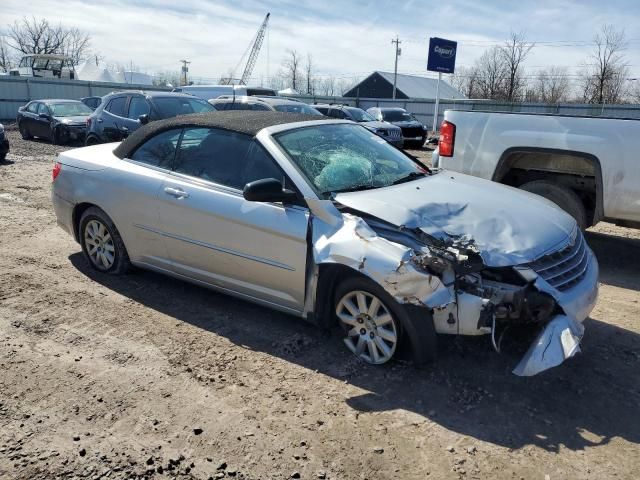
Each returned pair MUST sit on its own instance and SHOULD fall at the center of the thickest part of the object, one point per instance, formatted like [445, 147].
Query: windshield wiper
[409, 177]
[353, 188]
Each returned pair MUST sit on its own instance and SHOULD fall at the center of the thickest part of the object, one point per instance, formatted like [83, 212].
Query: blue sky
[346, 39]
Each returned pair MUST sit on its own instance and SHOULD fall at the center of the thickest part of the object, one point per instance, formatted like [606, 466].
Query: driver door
[255, 249]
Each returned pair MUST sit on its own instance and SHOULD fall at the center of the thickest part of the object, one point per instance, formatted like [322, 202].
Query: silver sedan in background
[325, 220]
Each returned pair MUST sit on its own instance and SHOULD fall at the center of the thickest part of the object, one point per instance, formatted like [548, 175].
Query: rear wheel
[562, 196]
[102, 244]
[24, 131]
[91, 140]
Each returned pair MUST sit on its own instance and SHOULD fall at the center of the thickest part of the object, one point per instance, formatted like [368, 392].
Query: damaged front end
[466, 296]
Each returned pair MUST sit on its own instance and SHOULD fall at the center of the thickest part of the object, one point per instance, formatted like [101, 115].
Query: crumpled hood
[509, 226]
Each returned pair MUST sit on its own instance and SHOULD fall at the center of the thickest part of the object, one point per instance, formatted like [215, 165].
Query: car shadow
[588, 401]
[618, 257]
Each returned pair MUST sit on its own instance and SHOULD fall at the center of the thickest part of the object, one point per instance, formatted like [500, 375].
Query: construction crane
[253, 56]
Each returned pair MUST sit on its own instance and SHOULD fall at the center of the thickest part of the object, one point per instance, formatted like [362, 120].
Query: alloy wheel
[371, 329]
[99, 245]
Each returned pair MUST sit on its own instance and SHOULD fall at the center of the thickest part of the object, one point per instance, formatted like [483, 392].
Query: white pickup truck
[590, 167]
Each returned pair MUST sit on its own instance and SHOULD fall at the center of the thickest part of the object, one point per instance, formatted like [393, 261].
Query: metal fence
[16, 91]
[423, 109]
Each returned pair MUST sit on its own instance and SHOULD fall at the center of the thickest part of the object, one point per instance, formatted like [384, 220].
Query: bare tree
[514, 52]
[76, 46]
[465, 80]
[604, 74]
[552, 85]
[31, 35]
[309, 75]
[6, 61]
[291, 67]
[492, 73]
[634, 91]
[328, 86]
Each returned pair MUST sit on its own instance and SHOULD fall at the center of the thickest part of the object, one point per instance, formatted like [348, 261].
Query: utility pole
[185, 69]
[395, 68]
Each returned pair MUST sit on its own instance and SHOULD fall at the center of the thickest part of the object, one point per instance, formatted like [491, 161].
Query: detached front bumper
[560, 339]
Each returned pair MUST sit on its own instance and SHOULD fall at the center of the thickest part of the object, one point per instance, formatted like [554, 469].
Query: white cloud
[345, 39]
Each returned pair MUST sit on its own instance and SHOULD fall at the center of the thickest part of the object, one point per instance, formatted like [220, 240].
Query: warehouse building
[380, 85]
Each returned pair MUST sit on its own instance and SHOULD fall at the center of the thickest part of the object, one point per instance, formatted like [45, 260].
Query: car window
[33, 107]
[346, 157]
[159, 150]
[259, 107]
[138, 106]
[322, 110]
[337, 113]
[116, 106]
[297, 108]
[69, 109]
[168, 107]
[227, 158]
[42, 108]
[240, 106]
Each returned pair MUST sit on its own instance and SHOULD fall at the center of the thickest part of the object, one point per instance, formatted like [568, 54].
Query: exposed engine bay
[450, 278]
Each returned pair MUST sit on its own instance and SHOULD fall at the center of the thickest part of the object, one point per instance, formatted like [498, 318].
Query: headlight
[1, 128]
[382, 131]
[424, 127]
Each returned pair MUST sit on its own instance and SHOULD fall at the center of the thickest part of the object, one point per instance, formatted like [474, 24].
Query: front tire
[102, 244]
[24, 132]
[562, 196]
[370, 318]
[91, 140]
[60, 136]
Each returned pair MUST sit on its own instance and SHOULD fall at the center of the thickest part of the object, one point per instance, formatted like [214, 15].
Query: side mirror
[44, 115]
[143, 119]
[267, 190]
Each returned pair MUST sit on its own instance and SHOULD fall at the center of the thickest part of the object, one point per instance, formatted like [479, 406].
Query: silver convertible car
[325, 220]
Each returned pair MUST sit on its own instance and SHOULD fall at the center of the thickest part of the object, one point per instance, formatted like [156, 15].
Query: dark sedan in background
[389, 132]
[413, 132]
[4, 144]
[121, 113]
[57, 120]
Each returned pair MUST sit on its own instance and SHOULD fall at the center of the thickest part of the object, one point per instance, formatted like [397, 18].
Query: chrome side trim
[265, 261]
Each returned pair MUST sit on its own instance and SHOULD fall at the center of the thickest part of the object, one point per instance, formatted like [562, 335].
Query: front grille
[565, 268]
[395, 134]
[412, 132]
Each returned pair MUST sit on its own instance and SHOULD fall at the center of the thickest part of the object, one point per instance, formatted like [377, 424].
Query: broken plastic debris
[559, 340]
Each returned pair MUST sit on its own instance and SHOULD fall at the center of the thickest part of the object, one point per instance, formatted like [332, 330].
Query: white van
[209, 92]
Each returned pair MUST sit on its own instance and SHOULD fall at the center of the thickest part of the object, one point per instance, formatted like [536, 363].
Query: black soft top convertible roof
[241, 121]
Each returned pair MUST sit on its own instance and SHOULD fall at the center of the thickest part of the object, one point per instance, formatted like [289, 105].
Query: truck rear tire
[562, 196]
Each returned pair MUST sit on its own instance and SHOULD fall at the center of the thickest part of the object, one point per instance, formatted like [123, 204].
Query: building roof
[242, 121]
[414, 86]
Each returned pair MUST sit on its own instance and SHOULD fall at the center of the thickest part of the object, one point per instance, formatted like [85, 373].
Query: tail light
[447, 139]
[57, 168]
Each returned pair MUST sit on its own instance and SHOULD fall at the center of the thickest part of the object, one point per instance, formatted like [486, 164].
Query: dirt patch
[104, 377]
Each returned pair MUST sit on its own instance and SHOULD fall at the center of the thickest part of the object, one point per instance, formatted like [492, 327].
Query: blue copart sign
[442, 55]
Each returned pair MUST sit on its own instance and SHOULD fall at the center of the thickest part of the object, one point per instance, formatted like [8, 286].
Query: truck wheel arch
[509, 158]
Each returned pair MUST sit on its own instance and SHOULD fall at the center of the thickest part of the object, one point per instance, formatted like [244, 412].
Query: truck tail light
[56, 171]
[447, 139]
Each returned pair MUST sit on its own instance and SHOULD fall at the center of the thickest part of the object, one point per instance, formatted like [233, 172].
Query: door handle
[176, 192]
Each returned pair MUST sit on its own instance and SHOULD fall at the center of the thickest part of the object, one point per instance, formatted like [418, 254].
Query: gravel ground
[147, 377]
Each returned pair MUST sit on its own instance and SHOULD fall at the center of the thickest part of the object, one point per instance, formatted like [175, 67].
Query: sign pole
[437, 106]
